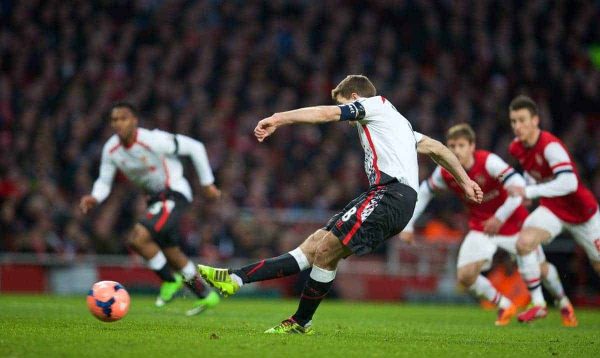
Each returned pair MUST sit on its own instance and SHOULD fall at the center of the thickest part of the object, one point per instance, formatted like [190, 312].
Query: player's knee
[325, 257]
[309, 247]
[525, 245]
[544, 269]
[137, 238]
[466, 277]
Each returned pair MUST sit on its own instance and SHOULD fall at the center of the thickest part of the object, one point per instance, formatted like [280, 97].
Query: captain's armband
[354, 111]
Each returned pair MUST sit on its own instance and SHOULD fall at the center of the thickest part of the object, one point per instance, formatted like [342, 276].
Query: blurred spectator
[211, 69]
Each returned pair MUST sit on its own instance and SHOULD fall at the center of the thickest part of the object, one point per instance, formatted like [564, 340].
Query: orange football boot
[567, 314]
[505, 315]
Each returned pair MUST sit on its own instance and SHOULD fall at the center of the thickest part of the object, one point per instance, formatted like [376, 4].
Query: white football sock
[237, 279]
[188, 271]
[552, 283]
[321, 275]
[483, 288]
[157, 262]
[301, 258]
[530, 272]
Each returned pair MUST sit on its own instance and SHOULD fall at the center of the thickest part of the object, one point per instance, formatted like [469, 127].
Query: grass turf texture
[62, 326]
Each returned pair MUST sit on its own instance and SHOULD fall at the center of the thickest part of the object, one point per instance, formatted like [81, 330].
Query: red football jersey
[494, 194]
[543, 166]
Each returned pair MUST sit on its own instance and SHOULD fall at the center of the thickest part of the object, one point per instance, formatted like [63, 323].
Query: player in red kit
[565, 203]
[493, 223]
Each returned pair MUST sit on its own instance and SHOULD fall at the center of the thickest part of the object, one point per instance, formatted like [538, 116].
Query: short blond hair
[462, 130]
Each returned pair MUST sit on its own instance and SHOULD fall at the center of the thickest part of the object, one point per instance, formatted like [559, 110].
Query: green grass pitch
[49, 326]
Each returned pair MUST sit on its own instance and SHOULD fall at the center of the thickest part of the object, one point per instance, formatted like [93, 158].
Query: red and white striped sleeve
[427, 190]
[436, 181]
[508, 176]
[558, 159]
[565, 180]
[500, 170]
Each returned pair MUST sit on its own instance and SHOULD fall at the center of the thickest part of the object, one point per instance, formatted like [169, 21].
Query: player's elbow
[569, 182]
[329, 113]
[428, 146]
[433, 148]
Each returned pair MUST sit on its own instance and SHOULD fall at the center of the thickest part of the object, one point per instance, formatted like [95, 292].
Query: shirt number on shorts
[156, 208]
[348, 214]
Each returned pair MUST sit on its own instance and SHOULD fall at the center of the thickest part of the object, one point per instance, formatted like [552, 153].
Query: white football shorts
[586, 234]
[478, 246]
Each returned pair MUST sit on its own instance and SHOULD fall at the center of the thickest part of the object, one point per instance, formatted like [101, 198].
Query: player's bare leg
[140, 241]
[207, 298]
[470, 277]
[529, 239]
[552, 283]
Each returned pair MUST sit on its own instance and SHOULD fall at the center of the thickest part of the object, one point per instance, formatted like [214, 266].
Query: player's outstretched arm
[565, 181]
[102, 185]
[194, 149]
[444, 157]
[307, 115]
[87, 202]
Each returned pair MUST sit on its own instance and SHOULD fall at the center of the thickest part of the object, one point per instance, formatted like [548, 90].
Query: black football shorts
[373, 217]
[163, 215]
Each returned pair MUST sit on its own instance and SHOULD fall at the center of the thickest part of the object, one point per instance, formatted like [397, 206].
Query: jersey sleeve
[498, 169]
[108, 169]
[197, 152]
[162, 142]
[436, 181]
[418, 136]
[565, 181]
[558, 159]
[423, 198]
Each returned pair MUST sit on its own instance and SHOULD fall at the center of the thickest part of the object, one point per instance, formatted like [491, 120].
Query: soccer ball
[108, 301]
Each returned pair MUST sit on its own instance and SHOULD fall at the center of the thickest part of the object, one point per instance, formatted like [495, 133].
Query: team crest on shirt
[480, 179]
[539, 160]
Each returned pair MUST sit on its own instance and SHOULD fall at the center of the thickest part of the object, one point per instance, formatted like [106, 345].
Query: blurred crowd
[212, 69]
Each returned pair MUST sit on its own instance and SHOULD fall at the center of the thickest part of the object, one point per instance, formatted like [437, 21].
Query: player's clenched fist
[87, 202]
[211, 192]
[408, 237]
[265, 127]
[473, 192]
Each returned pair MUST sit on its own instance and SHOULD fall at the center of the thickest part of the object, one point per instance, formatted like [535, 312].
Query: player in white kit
[390, 147]
[149, 159]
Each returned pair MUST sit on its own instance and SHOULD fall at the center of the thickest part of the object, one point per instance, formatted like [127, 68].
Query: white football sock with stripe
[530, 272]
[484, 288]
[553, 284]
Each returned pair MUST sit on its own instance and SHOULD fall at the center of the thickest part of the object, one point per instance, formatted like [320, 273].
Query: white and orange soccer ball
[108, 301]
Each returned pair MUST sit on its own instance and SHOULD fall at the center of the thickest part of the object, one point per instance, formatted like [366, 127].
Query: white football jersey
[151, 162]
[389, 142]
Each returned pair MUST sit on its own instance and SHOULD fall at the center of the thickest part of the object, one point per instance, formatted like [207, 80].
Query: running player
[495, 223]
[149, 160]
[390, 147]
[565, 203]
